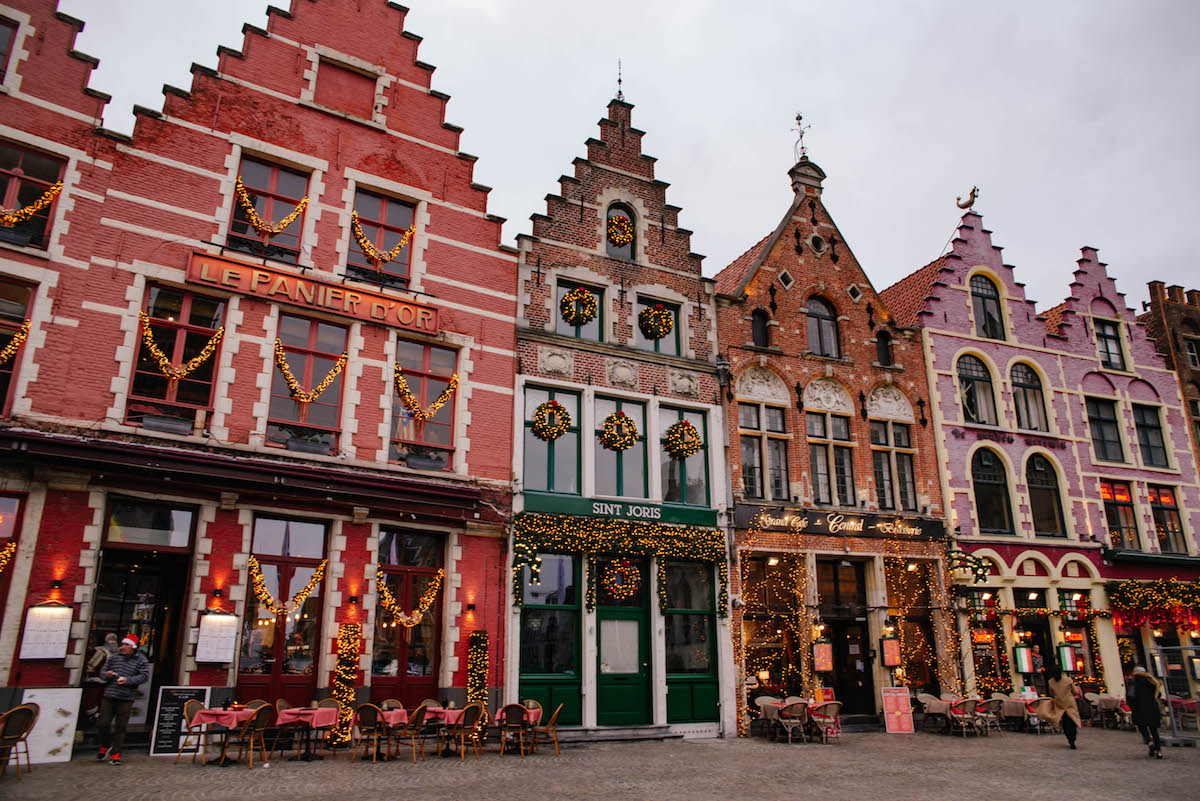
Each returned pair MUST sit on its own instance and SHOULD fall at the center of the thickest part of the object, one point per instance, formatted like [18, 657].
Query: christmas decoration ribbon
[369, 250]
[10, 218]
[388, 601]
[258, 223]
[266, 599]
[6, 554]
[410, 400]
[164, 364]
[14, 344]
[294, 385]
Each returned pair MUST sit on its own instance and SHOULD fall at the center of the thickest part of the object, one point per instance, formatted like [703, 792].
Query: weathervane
[620, 94]
[799, 151]
[970, 201]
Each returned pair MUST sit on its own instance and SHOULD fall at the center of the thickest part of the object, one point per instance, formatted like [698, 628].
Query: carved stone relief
[827, 395]
[759, 383]
[557, 361]
[622, 373]
[682, 383]
[889, 403]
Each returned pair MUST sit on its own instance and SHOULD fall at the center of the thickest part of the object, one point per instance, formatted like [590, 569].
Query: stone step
[580, 734]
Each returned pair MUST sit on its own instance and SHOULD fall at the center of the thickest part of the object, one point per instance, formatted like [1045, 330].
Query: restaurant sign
[643, 512]
[815, 521]
[281, 287]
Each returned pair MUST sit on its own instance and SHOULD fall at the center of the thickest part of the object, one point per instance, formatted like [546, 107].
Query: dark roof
[730, 280]
[905, 298]
[1054, 318]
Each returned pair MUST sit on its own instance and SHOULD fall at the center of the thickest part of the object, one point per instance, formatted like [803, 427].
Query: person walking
[123, 673]
[1061, 709]
[1141, 693]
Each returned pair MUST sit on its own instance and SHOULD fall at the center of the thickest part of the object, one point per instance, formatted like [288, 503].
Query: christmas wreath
[620, 230]
[620, 432]
[683, 440]
[578, 307]
[550, 421]
[621, 579]
[656, 321]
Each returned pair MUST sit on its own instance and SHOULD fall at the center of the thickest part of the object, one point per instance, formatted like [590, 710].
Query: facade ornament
[759, 383]
[622, 373]
[889, 403]
[827, 395]
[683, 383]
[557, 361]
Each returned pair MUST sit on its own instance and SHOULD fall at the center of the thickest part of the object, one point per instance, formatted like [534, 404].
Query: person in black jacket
[123, 673]
[1141, 693]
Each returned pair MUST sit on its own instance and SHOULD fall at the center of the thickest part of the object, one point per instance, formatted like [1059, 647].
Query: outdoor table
[229, 718]
[1013, 708]
[532, 716]
[447, 716]
[395, 717]
[322, 717]
[770, 710]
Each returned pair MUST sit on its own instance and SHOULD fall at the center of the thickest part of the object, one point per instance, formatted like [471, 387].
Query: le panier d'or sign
[281, 287]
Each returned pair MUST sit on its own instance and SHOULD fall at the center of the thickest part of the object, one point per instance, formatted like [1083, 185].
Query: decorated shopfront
[1163, 613]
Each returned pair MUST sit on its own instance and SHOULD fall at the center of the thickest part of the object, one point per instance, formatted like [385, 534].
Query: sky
[1077, 120]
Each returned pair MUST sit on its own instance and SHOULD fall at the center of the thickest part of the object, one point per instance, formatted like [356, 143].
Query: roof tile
[730, 279]
[905, 298]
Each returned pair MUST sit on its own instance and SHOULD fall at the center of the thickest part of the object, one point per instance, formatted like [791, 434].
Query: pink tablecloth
[230, 718]
[532, 716]
[450, 716]
[319, 718]
[395, 717]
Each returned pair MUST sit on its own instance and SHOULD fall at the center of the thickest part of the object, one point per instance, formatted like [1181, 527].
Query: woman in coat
[1141, 693]
[1061, 709]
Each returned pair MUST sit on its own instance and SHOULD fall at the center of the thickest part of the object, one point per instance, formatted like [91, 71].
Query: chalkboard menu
[169, 723]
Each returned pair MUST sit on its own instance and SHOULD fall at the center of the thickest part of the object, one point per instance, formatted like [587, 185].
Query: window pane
[566, 462]
[606, 469]
[258, 627]
[900, 436]
[816, 425]
[689, 646]
[777, 469]
[748, 415]
[879, 432]
[300, 628]
[775, 420]
[751, 467]
[277, 537]
[634, 471]
[906, 482]
[818, 456]
[843, 459]
[841, 427]
[883, 478]
[409, 549]
[556, 582]
[689, 585]
[145, 523]
[548, 641]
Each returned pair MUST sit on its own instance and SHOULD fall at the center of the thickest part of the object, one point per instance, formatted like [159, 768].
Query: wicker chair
[328, 741]
[962, 715]
[413, 731]
[189, 711]
[372, 726]
[988, 714]
[511, 722]
[792, 719]
[257, 703]
[391, 703]
[465, 732]
[827, 716]
[549, 730]
[253, 733]
[15, 726]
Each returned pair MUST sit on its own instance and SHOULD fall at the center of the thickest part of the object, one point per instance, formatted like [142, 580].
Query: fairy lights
[620, 432]
[410, 400]
[258, 223]
[294, 386]
[550, 421]
[620, 230]
[6, 554]
[682, 440]
[477, 667]
[259, 584]
[345, 677]
[578, 307]
[621, 579]
[10, 218]
[164, 363]
[389, 603]
[15, 343]
[1166, 600]
[656, 321]
[369, 250]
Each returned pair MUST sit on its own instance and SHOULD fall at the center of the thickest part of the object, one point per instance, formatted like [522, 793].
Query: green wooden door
[622, 642]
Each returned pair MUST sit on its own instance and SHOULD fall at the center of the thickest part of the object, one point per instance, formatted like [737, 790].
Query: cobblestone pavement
[1108, 765]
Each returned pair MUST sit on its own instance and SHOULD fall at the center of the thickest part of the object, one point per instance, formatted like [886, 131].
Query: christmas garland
[6, 554]
[369, 250]
[258, 223]
[388, 601]
[621, 579]
[10, 218]
[294, 385]
[682, 440]
[548, 431]
[620, 432]
[656, 321]
[620, 230]
[578, 307]
[266, 599]
[1002, 681]
[164, 364]
[14, 344]
[410, 400]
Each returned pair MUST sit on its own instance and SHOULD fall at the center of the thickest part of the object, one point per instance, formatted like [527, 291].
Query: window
[621, 225]
[550, 617]
[1028, 398]
[1166, 520]
[14, 311]
[8, 35]
[992, 505]
[312, 349]
[985, 300]
[883, 348]
[1108, 340]
[138, 523]
[760, 329]
[552, 466]
[409, 562]
[594, 328]
[1194, 409]
[26, 175]
[1044, 500]
[274, 192]
[1150, 435]
[892, 458]
[427, 445]
[975, 386]
[830, 463]
[1118, 509]
[1192, 346]
[822, 328]
[622, 473]
[669, 344]
[684, 480]
[182, 324]
[1106, 438]
[690, 617]
[764, 441]
[386, 223]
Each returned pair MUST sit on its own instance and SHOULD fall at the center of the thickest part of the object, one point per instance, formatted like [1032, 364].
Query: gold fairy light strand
[15, 216]
[369, 250]
[6, 554]
[258, 223]
[294, 385]
[164, 364]
[15, 343]
[410, 400]
[388, 601]
[259, 584]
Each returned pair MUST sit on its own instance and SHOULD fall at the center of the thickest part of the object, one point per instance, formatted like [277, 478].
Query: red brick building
[1173, 322]
[237, 327]
[837, 503]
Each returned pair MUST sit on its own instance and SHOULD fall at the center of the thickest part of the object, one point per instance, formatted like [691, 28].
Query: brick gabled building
[837, 503]
[624, 623]
[1173, 322]
[239, 319]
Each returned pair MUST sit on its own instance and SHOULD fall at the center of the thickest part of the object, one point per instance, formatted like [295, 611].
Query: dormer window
[985, 299]
[620, 232]
[822, 328]
[1108, 340]
[883, 348]
[759, 329]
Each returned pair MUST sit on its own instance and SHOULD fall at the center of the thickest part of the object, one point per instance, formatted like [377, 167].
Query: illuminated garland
[630, 579]
[410, 400]
[682, 440]
[1002, 681]
[979, 566]
[548, 431]
[10, 218]
[164, 364]
[477, 667]
[1042, 611]
[294, 386]
[578, 307]
[266, 599]
[620, 230]
[656, 321]
[592, 580]
[258, 223]
[620, 432]
[388, 601]
[6, 554]
[345, 677]
[368, 249]
[15, 343]
[1161, 594]
[1094, 683]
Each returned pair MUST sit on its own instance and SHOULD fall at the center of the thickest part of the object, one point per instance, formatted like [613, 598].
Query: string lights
[10, 218]
[259, 584]
[258, 223]
[550, 421]
[620, 230]
[164, 363]
[388, 601]
[19, 337]
[1159, 602]
[369, 250]
[410, 400]
[6, 554]
[620, 432]
[294, 386]
[682, 440]
[477, 667]
[656, 321]
[621, 579]
[578, 307]
[345, 676]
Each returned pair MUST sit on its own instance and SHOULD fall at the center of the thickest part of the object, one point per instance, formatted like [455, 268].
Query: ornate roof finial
[620, 94]
[970, 201]
[799, 151]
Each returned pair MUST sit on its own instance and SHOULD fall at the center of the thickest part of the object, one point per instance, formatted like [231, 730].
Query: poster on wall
[169, 723]
[897, 710]
[823, 656]
[54, 733]
[47, 630]
[217, 640]
[141, 701]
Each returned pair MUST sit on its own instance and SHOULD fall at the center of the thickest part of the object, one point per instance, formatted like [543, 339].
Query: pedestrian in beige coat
[1060, 709]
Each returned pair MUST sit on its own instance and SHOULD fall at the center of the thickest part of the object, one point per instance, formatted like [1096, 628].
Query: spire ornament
[970, 201]
[620, 94]
[799, 151]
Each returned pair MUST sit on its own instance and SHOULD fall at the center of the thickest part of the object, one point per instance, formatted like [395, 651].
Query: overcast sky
[1079, 121]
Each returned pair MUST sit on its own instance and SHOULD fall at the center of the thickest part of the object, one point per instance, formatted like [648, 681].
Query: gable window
[1119, 512]
[1192, 346]
[592, 329]
[1106, 438]
[8, 36]
[182, 325]
[14, 311]
[830, 463]
[990, 480]
[312, 349]
[385, 223]
[975, 386]
[620, 232]
[274, 192]
[25, 176]
[822, 328]
[684, 480]
[552, 466]
[763, 433]
[1108, 340]
[1044, 500]
[760, 331]
[883, 348]
[892, 459]
[1150, 435]
[1166, 519]
[428, 444]
[669, 344]
[985, 300]
[622, 473]
[1028, 398]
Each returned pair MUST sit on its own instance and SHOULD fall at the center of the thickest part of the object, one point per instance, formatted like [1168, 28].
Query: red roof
[730, 279]
[905, 298]
[1054, 317]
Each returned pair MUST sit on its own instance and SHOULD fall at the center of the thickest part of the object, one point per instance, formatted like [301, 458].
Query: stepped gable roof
[1054, 318]
[906, 298]
[732, 279]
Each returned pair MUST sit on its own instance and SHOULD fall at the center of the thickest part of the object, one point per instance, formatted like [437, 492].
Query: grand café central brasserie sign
[808, 521]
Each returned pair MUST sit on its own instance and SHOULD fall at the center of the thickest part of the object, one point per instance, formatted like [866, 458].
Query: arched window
[992, 507]
[975, 387]
[883, 348]
[1044, 500]
[759, 329]
[620, 232]
[986, 300]
[1027, 397]
[822, 328]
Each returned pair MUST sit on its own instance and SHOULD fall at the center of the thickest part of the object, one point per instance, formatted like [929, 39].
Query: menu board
[169, 723]
[897, 710]
[47, 630]
[53, 735]
[217, 640]
[891, 652]
[823, 657]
